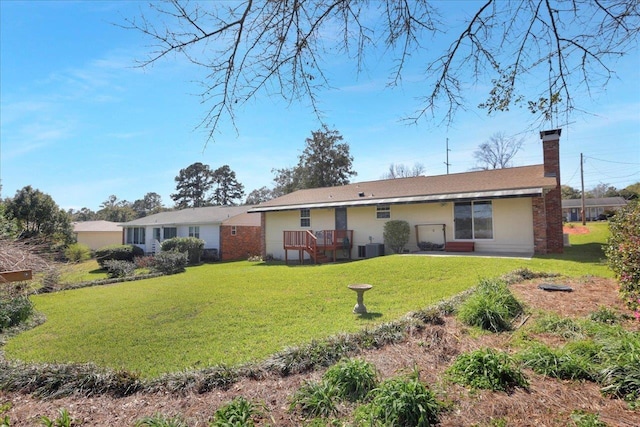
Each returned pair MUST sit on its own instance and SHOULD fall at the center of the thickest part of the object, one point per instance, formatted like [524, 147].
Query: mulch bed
[548, 402]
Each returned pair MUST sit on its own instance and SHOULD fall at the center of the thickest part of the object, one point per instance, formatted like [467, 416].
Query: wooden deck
[318, 244]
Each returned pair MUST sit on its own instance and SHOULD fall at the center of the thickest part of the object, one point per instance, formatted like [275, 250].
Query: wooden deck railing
[315, 244]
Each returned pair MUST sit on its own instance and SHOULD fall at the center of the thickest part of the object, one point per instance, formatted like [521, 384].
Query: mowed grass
[232, 313]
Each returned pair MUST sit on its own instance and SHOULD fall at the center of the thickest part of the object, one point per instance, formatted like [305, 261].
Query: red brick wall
[245, 243]
[539, 226]
[547, 211]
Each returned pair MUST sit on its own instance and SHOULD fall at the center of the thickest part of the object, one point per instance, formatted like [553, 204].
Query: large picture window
[305, 218]
[135, 236]
[473, 220]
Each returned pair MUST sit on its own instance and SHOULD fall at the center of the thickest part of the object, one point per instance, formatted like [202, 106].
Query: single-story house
[206, 223]
[96, 234]
[503, 210]
[594, 209]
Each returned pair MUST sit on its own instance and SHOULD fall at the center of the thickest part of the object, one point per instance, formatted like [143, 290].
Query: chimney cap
[547, 133]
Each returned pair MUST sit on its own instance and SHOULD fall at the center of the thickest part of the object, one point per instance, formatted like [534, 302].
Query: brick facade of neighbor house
[547, 210]
[263, 235]
[246, 242]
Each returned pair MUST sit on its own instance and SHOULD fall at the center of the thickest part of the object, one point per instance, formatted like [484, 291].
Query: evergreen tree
[228, 191]
[192, 185]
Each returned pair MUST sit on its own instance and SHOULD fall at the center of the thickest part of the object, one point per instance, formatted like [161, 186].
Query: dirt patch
[548, 402]
[576, 229]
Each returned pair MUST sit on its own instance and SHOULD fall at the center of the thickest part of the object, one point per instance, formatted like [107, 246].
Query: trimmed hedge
[192, 246]
[118, 253]
[396, 235]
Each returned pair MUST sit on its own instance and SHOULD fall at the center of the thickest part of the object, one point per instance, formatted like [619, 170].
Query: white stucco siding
[512, 227]
[276, 223]
[425, 213]
[210, 234]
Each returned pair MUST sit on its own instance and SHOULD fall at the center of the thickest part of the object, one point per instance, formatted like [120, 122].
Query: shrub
[118, 253]
[116, 268]
[492, 307]
[14, 310]
[352, 379]
[144, 262]
[396, 234]
[170, 262]
[623, 251]
[237, 413]
[192, 246]
[486, 369]
[402, 402]
[77, 252]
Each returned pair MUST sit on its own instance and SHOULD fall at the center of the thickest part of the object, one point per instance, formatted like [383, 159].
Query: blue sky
[80, 122]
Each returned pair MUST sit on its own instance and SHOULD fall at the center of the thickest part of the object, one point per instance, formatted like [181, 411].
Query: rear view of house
[503, 210]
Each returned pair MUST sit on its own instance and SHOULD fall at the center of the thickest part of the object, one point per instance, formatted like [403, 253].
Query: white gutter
[408, 199]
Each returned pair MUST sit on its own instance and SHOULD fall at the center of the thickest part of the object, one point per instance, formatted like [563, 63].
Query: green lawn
[244, 311]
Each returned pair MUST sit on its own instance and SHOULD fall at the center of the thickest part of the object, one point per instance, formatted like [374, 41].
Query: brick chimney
[547, 210]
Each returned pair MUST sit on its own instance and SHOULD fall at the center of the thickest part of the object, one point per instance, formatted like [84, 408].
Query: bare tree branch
[281, 48]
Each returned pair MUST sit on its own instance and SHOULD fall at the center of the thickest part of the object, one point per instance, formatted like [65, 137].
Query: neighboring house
[96, 234]
[503, 210]
[204, 223]
[594, 209]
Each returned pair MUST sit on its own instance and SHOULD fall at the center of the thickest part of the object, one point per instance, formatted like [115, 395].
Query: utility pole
[447, 162]
[584, 221]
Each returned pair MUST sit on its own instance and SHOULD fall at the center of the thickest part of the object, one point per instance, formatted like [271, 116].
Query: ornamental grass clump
[240, 412]
[315, 399]
[401, 401]
[352, 379]
[561, 363]
[159, 420]
[487, 369]
[491, 307]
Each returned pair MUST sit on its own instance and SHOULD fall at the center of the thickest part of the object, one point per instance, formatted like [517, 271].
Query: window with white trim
[473, 220]
[234, 230]
[194, 231]
[383, 212]
[305, 218]
[135, 236]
